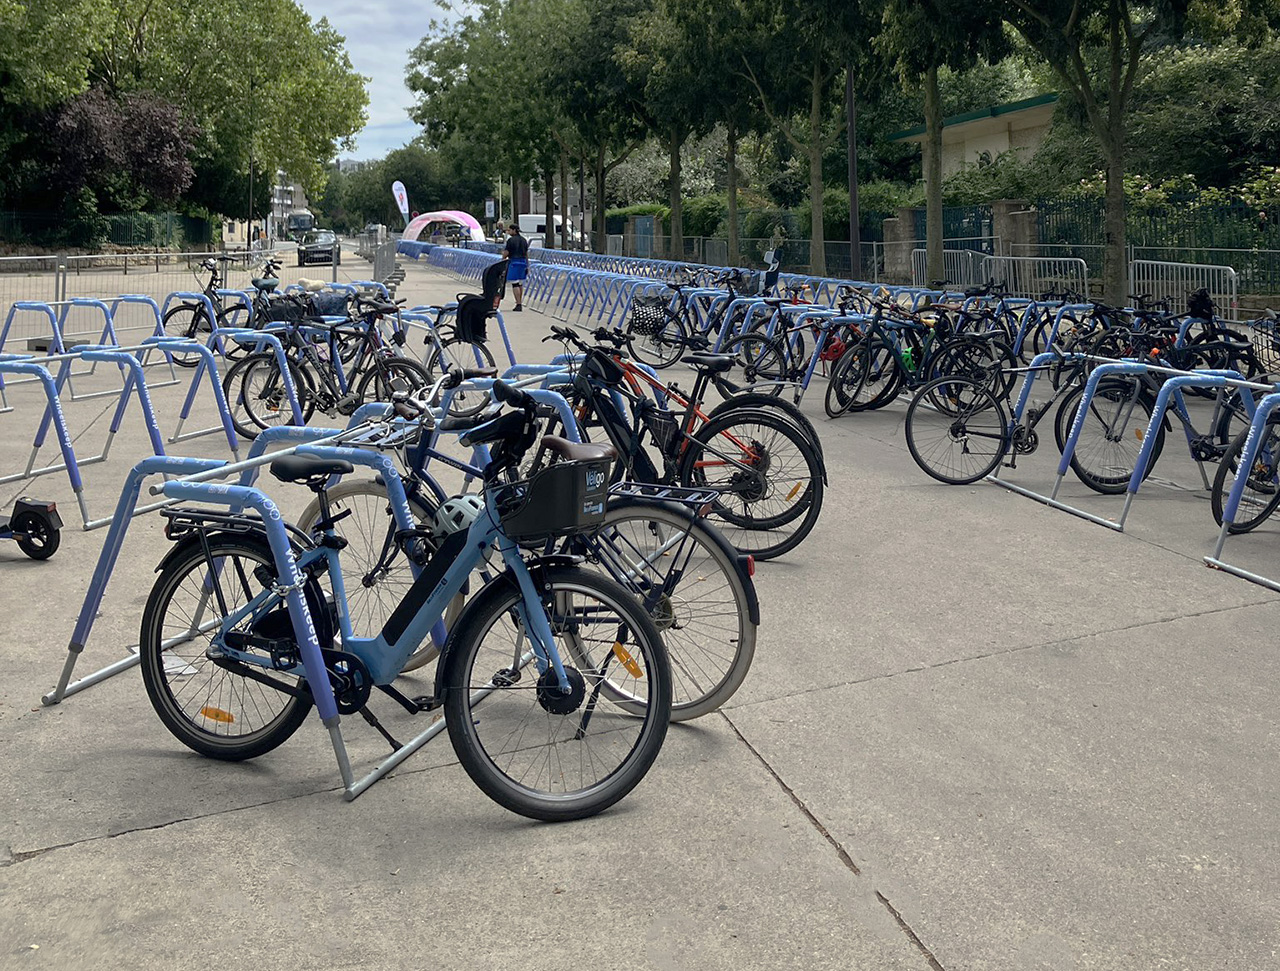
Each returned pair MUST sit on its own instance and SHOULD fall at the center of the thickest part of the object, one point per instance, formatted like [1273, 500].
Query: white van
[535, 224]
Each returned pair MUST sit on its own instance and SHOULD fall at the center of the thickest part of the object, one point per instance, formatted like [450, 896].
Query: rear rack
[666, 493]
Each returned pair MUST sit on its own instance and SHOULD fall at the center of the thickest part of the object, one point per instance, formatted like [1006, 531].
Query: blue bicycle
[554, 681]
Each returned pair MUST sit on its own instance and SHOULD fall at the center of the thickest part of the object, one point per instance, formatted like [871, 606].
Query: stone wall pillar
[899, 241]
[1015, 223]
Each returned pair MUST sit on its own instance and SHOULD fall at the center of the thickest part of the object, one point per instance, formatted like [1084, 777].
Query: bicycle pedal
[347, 404]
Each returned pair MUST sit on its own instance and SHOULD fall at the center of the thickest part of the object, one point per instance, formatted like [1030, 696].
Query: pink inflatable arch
[463, 219]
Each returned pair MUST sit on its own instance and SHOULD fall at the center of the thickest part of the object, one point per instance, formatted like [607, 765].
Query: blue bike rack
[1248, 456]
[1170, 390]
[207, 366]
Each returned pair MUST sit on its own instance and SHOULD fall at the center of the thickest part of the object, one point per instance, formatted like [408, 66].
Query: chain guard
[351, 681]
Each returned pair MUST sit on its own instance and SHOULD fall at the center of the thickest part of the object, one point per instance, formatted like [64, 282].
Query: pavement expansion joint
[22, 856]
[840, 851]
[917, 669]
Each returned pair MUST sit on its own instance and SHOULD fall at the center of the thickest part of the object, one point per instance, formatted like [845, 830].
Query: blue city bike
[554, 681]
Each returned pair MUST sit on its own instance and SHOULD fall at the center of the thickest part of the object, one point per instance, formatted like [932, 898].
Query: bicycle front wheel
[1261, 492]
[659, 346]
[456, 352]
[191, 322]
[686, 575]
[256, 394]
[530, 747]
[957, 430]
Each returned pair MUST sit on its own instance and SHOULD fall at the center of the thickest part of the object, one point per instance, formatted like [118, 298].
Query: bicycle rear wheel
[685, 574]
[957, 430]
[202, 698]
[530, 748]
[768, 473]
[1112, 434]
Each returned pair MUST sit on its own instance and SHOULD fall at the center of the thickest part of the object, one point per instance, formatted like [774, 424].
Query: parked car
[319, 246]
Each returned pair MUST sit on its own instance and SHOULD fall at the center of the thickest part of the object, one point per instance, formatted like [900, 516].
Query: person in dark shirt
[517, 252]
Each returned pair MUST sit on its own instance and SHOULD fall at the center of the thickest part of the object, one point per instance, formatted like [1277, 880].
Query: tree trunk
[932, 159]
[677, 221]
[855, 216]
[548, 185]
[564, 200]
[1113, 266]
[817, 240]
[597, 207]
[731, 160]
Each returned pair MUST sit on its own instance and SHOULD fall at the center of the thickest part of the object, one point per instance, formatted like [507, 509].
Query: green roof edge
[991, 111]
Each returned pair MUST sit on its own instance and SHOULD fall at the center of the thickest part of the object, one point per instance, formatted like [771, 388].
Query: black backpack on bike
[1201, 305]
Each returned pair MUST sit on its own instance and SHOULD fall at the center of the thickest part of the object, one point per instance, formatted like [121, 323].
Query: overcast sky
[380, 34]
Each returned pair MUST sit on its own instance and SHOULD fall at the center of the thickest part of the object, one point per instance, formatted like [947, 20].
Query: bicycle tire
[663, 347]
[1104, 458]
[186, 320]
[1261, 494]
[791, 411]
[593, 722]
[205, 728]
[254, 384]
[370, 603]
[715, 446]
[710, 636]
[386, 376]
[460, 353]
[760, 360]
[935, 431]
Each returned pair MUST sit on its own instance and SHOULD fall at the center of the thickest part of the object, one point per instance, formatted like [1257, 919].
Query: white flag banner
[402, 198]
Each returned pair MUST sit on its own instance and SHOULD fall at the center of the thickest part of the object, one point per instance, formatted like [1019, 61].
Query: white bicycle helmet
[456, 514]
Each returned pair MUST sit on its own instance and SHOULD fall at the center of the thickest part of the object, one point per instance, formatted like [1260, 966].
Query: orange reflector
[1139, 433]
[627, 661]
[794, 489]
[217, 715]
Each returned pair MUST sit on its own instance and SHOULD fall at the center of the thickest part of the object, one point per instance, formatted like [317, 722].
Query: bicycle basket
[286, 310]
[648, 315]
[326, 304]
[559, 500]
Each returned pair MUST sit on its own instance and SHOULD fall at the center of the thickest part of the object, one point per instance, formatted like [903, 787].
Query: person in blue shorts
[517, 252]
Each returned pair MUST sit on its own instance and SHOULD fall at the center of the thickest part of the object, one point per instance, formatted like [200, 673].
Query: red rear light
[751, 565]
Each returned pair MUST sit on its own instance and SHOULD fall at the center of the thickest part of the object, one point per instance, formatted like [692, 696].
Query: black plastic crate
[562, 499]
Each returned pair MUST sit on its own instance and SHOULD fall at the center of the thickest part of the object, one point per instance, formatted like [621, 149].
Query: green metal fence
[1179, 231]
[163, 230]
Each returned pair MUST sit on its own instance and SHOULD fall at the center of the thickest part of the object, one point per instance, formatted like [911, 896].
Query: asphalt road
[978, 734]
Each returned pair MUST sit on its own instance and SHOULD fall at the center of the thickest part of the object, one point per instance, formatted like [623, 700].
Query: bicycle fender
[537, 566]
[193, 539]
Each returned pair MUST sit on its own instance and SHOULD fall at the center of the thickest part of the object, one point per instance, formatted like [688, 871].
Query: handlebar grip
[511, 395]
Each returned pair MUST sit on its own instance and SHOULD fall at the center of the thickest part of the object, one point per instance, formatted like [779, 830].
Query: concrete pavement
[978, 733]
